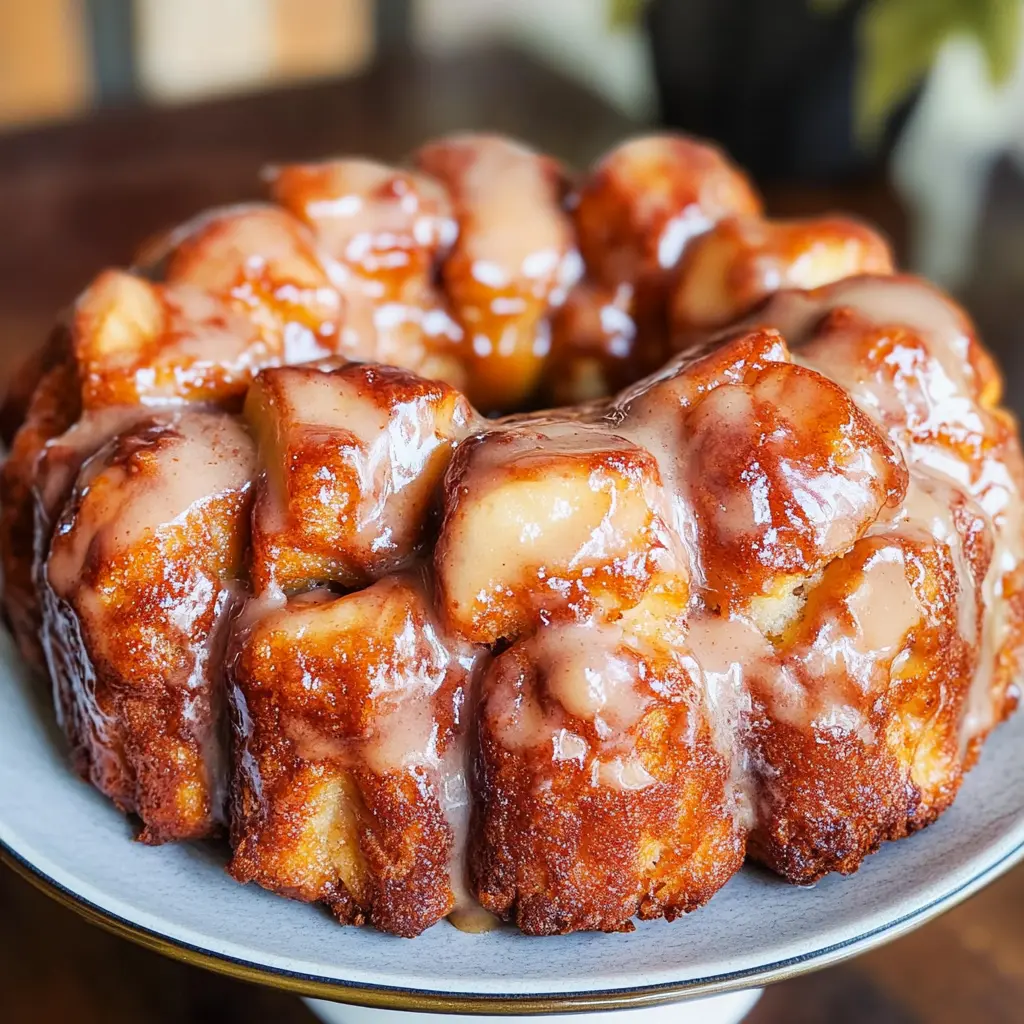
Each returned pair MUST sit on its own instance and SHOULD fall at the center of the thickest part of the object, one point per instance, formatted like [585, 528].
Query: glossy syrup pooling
[757, 593]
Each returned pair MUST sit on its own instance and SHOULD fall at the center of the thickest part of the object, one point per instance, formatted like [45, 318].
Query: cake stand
[68, 840]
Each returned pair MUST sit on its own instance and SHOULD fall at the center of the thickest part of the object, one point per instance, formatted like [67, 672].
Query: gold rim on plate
[385, 998]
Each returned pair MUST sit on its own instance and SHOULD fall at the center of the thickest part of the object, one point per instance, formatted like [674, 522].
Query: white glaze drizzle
[946, 385]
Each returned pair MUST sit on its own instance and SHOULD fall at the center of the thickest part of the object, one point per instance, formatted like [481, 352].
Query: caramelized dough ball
[839, 324]
[353, 458]
[138, 587]
[52, 410]
[385, 221]
[687, 378]
[55, 470]
[265, 262]
[926, 386]
[909, 356]
[386, 229]
[601, 793]
[139, 342]
[248, 291]
[856, 733]
[514, 259]
[545, 519]
[244, 289]
[645, 201]
[784, 473]
[348, 724]
[130, 344]
[593, 337]
[726, 271]
[635, 215]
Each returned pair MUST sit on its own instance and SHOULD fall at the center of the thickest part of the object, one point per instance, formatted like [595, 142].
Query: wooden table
[76, 197]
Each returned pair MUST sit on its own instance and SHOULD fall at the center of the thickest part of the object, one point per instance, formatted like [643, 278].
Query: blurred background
[118, 117]
[908, 111]
[925, 94]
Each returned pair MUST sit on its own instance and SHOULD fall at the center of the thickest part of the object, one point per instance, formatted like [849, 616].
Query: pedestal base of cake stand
[729, 1008]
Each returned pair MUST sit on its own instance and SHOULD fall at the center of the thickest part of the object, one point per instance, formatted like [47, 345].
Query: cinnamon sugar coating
[758, 591]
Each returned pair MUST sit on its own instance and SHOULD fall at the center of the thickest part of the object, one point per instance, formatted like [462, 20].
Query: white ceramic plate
[64, 836]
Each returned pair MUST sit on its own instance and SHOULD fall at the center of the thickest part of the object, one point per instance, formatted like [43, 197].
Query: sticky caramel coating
[910, 358]
[138, 585]
[785, 473]
[600, 795]
[938, 407]
[916, 341]
[636, 214]
[772, 592]
[593, 344]
[352, 460]
[647, 198]
[130, 341]
[542, 519]
[266, 261]
[135, 341]
[685, 379]
[346, 715]
[514, 259]
[52, 410]
[856, 730]
[386, 229]
[729, 269]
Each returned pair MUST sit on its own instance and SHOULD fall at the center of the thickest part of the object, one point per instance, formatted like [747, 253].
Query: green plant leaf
[900, 39]
[998, 29]
[624, 13]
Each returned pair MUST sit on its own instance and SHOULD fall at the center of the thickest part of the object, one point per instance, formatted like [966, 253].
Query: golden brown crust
[910, 357]
[53, 409]
[346, 714]
[829, 795]
[636, 214]
[785, 473]
[770, 593]
[266, 263]
[729, 358]
[728, 270]
[580, 502]
[352, 460]
[588, 822]
[138, 586]
[646, 198]
[135, 341]
[514, 259]
[387, 230]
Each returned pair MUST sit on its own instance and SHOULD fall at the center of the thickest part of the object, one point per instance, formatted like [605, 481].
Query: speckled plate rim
[380, 997]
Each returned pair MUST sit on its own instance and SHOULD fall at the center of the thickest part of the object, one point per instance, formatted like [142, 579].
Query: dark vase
[771, 80]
